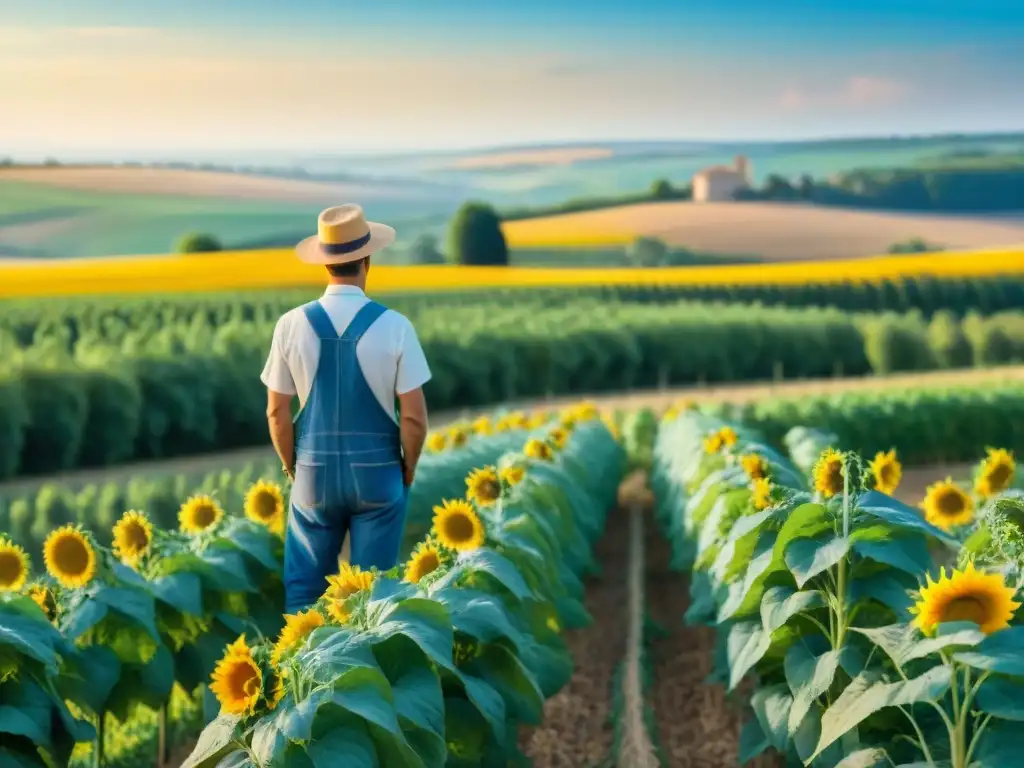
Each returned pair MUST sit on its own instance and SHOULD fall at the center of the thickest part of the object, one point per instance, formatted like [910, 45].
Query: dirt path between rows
[656, 399]
[577, 731]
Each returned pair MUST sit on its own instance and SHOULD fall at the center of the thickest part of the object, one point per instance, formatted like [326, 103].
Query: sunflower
[967, 595]
[754, 465]
[70, 557]
[538, 449]
[585, 411]
[609, 422]
[887, 471]
[483, 485]
[457, 526]
[558, 437]
[337, 610]
[712, 443]
[297, 627]
[133, 535]
[829, 473]
[762, 493]
[275, 682]
[14, 566]
[457, 437]
[729, 437]
[425, 559]
[482, 426]
[237, 680]
[437, 442]
[670, 413]
[512, 475]
[947, 505]
[43, 597]
[349, 580]
[264, 504]
[538, 419]
[198, 514]
[995, 473]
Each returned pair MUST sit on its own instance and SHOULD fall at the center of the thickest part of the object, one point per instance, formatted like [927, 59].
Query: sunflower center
[488, 490]
[11, 568]
[950, 502]
[999, 476]
[245, 679]
[204, 515]
[71, 556]
[134, 537]
[887, 474]
[264, 506]
[968, 608]
[427, 563]
[459, 528]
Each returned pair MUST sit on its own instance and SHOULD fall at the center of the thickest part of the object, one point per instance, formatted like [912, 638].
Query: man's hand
[413, 428]
[282, 434]
[289, 472]
[408, 473]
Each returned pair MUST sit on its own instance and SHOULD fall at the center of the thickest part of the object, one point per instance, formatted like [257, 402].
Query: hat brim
[311, 251]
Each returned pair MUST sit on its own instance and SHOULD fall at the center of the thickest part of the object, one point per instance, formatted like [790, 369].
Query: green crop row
[833, 598]
[146, 386]
[925, 426]
[427, 670]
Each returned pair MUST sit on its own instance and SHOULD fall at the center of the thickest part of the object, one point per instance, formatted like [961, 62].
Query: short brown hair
[348, 269]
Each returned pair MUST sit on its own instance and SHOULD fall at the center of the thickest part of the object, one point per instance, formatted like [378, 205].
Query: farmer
[350, 458]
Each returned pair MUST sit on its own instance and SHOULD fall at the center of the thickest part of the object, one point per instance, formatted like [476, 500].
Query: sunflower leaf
[1001, 652]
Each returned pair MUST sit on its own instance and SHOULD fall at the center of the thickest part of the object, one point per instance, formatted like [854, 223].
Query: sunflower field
[874, 634]
[434, 663]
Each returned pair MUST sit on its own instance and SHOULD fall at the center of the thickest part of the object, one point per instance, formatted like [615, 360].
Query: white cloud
[857, 92]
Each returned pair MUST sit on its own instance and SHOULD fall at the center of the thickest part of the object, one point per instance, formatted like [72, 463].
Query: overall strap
[320, 320]
[365, 317]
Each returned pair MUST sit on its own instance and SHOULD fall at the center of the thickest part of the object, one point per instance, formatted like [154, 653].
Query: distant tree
[777, 187]
[424, 250]
[647, 252]
[661, 189]
[6, 162]
[475, 236]
[914, 245]
[806, 187]
[51, 162]
[197, 242]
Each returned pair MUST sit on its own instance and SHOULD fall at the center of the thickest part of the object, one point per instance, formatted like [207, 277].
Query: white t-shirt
[389, 353]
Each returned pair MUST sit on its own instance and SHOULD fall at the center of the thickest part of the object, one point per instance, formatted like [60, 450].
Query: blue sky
[133, 76]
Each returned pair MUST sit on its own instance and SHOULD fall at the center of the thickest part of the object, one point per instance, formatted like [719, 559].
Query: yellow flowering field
[267, 269]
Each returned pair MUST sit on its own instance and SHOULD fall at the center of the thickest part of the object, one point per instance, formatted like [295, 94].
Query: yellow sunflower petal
[14, 566]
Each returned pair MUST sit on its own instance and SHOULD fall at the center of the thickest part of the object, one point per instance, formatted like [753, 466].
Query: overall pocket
[377, 484]
[310, 486]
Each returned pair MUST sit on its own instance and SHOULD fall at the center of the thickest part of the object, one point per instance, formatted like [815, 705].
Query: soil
[577, 731]
[697, 727]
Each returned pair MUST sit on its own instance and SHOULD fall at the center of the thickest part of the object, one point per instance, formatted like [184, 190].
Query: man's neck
[349, 282]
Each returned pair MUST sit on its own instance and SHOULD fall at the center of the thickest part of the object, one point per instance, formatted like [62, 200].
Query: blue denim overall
[348, 476]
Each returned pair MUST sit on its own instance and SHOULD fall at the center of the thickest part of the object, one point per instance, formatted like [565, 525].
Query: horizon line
[540, 145]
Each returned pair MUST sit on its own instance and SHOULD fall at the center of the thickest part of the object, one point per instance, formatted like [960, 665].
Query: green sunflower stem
[98, 749]
[161, 740]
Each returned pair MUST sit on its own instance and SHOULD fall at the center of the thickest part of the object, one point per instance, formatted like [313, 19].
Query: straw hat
[344, 235]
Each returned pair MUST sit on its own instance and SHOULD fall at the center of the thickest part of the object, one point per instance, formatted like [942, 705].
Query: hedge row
[925, 426]
[185, 388]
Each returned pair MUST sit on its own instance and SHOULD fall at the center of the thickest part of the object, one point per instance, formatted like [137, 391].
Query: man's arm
[282, 431]
[413, 428]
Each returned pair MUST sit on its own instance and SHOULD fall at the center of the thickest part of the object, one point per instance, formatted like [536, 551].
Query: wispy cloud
[858, 92]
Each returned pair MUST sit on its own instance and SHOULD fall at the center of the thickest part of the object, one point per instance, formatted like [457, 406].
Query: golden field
[268, 269]
[774, 231]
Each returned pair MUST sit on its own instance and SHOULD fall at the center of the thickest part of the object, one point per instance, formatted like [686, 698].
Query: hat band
[336, 249]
